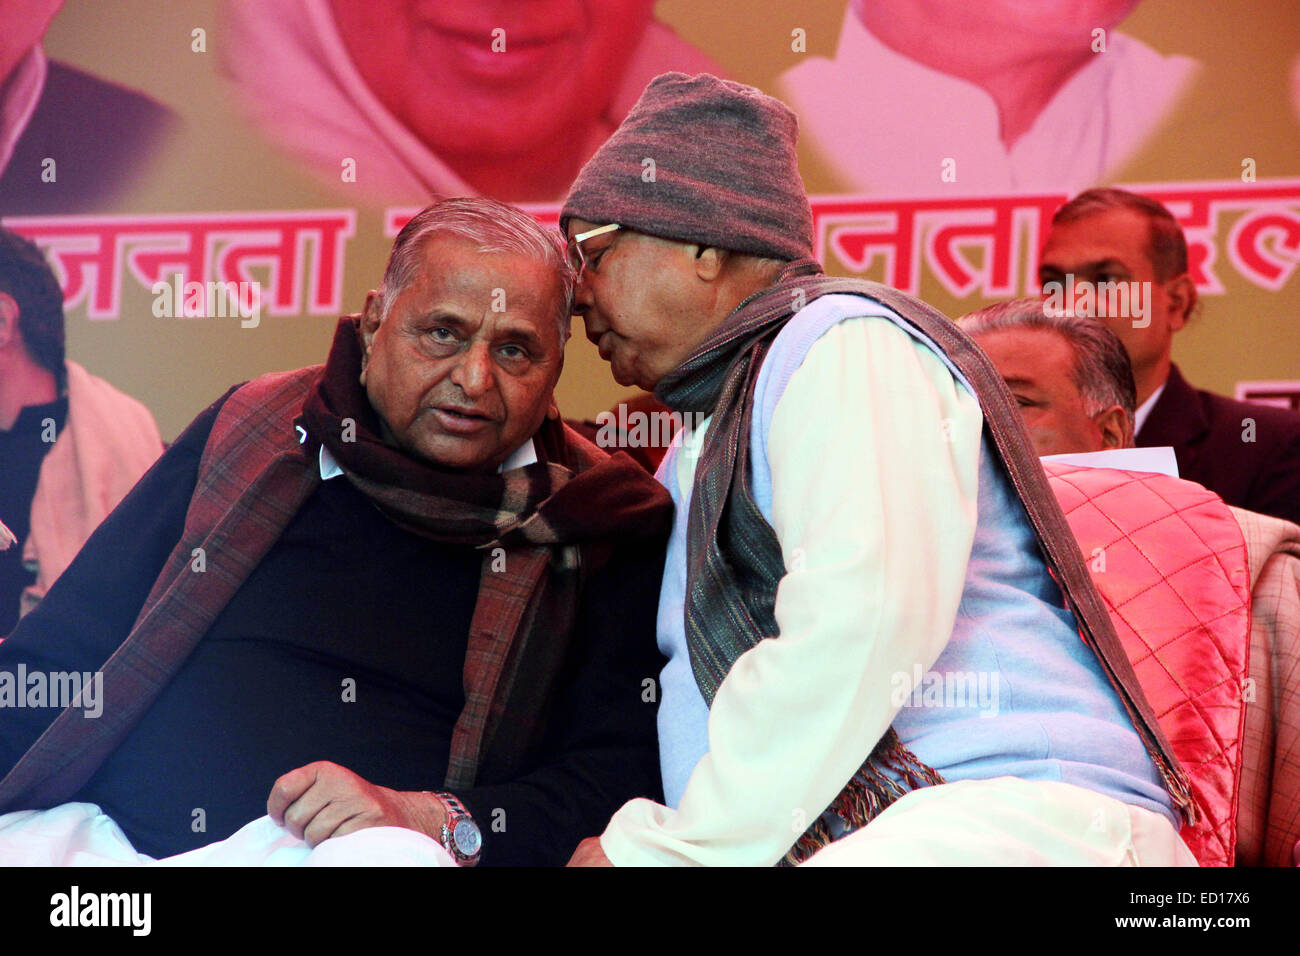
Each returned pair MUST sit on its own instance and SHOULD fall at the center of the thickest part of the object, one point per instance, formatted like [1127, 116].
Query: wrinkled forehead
[1026, 353]
[451, 265]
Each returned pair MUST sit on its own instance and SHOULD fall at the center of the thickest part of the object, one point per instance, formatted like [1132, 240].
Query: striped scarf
[573, 492]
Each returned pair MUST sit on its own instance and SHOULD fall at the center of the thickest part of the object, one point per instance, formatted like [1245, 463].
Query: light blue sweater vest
[1037, 704]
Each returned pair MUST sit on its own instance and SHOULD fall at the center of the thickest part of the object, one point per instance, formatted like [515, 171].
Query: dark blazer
[101, 136]
[1208, 433]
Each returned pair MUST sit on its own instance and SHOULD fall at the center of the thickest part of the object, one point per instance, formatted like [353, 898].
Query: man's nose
[582, 298]
[473, 373]
[584, 306]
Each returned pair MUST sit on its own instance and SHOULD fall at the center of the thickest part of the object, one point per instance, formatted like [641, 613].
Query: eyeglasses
[573, 248]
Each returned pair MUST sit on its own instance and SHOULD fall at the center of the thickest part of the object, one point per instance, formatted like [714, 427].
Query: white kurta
[874, 452]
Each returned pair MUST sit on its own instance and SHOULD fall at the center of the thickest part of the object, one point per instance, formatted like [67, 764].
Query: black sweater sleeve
[601, 747]
[88, 612]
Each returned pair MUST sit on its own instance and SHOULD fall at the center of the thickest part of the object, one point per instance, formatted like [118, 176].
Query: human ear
[371, 315]
[1182, 300]
[1115, 427]
[709, 262]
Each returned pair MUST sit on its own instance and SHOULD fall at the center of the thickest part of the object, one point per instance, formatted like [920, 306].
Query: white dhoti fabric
[80, 834]
[1007, 821]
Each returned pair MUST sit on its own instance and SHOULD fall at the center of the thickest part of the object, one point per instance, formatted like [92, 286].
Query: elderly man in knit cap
[867, 646]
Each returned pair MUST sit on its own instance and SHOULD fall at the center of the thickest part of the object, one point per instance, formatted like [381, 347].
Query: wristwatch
[460, 835]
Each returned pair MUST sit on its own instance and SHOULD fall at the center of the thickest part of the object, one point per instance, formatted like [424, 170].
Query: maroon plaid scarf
[254, 476]
[573, 494]
[734, 559]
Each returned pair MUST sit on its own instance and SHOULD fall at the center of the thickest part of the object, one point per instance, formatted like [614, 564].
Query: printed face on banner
[488, 78]
[1113, 247]
[634, 299]
[1031, 20]
[463, 367]
[22, 24]
[1038, 366]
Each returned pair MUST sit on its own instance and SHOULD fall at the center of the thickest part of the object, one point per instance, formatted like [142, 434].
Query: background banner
[215, 181]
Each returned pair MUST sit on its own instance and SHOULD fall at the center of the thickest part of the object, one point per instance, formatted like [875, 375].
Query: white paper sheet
[1160, 460]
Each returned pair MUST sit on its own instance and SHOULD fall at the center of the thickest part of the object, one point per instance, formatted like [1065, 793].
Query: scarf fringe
[890, 772]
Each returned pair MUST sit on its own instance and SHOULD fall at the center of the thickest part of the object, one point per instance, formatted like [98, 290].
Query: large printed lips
[529, 52]
[532, 22]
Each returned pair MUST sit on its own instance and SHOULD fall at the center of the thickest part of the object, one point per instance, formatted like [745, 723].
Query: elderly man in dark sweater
[394, 590]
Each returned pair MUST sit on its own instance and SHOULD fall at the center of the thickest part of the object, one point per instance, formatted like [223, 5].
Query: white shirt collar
[18, 99]
[329, 466]
[1144, 410]
[525, 454]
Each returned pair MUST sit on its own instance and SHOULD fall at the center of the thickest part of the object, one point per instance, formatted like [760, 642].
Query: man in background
[1246, 453]
[69, 141]
[71, 445]
[1073, 382]
[1069, 375]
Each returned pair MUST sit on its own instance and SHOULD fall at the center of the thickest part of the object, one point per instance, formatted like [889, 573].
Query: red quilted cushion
[1170, 562]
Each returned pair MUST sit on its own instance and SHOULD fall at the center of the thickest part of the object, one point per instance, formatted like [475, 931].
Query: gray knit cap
[704, 160]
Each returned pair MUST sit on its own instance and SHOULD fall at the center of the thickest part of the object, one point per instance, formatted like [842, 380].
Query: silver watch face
[466, 837]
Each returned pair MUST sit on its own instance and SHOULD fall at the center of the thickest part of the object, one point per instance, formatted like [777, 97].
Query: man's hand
[323, 800]
[589, 853]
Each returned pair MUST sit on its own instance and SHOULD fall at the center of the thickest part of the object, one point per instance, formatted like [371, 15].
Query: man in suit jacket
[1246, 453]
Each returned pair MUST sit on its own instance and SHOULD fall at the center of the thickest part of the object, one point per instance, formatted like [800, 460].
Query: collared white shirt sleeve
[874, 452]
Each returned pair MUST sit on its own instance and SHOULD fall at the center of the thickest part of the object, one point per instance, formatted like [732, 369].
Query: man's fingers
[589, 853]
[333, 819]
[358, 821]
[288, 789]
